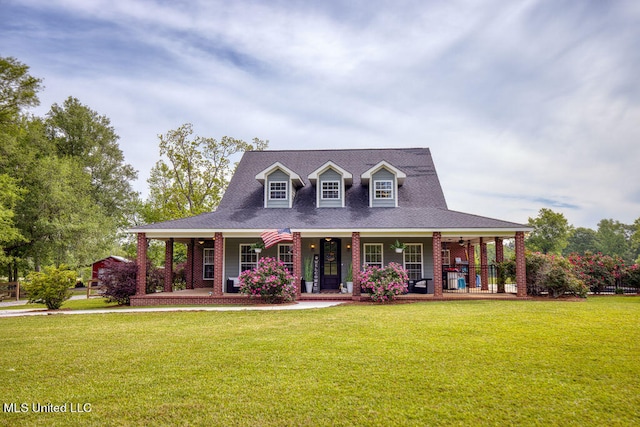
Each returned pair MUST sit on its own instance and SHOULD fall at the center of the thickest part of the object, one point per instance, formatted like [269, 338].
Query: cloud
[524, 105]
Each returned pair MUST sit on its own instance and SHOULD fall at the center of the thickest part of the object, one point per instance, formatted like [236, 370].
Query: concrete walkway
[302, 305]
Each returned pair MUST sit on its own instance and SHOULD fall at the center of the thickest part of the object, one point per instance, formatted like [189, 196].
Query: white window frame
[253, 263]
[407, 252]
[335, 190]
[365, 254]
[378, 192]
[285, 250]
[208, 258]
[274, 191]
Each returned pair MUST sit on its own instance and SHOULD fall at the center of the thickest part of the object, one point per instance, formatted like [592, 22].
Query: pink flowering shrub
[598, 271]
[384, 283]
[632, 276]
[270, 280]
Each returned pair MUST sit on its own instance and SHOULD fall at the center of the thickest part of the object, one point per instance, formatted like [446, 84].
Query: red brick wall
[198, 281]
[356, 263]
[218, 260]
[297, 261]
[141, 278]
[499, 250]
[168, 266]
[521, 265]
[188, 270]
[484, 265]
[437, 264]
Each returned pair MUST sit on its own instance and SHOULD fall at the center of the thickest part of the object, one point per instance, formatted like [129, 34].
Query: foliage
[581, 241]
[119, 280]
[18, 89]
[192, 175]
[50, 287]
[553, 275]
[308, 269]
[550, 234]
[270, 280]
[398, 245]
[349, 277]
[614, 238]
[632, 276]
[384, 284]
[598, 271]
[10, 193]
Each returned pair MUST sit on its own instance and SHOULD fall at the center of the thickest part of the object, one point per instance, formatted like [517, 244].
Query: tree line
[66, 192]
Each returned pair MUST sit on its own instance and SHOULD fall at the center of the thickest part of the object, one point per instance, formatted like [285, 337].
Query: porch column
[189, 266]
[218, 263]
[355, 263]
[168, 265]
[521, 265]
[437, 264]
[471, 250]
[484, 267]
[297, 262]
[499, 250]
[141, 260]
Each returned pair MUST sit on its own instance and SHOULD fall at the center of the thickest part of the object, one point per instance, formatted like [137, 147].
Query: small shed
[97, 269]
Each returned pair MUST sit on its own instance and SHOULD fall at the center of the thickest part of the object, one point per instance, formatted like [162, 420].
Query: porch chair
[423, 286]
[233, 285]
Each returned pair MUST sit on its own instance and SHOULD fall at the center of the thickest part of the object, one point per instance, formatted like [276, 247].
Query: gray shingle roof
[421, 202]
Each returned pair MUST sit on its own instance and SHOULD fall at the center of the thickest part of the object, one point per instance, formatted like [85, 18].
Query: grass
[75, 304]
[453, 363]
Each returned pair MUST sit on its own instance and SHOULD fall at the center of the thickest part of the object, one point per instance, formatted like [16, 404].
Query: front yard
[453, 363]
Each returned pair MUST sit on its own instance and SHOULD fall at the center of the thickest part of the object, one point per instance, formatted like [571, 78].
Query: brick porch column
[141, 276]
[355, 263]
[189, 266]
[437, 264]
[499, 250]
[521, 265]
[168, 265]
[472, 265]
[484, 265]
[218, 263]
[297, 262]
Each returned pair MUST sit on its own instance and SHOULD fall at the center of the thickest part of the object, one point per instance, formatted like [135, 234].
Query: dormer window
[278, 190]
[280, 184]
[383, 189]
[330, 190]
[383, 180]
[330, 181]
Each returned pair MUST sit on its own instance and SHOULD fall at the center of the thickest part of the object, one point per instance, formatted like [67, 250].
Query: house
[343, 208]
[98, 267]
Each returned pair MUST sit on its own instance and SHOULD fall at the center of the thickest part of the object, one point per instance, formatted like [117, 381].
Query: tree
[193, 175]
[80, 133]
[50, 287]
[10, 193]
[550, 234]
[581, 241]
[18, 89]
[614, 238]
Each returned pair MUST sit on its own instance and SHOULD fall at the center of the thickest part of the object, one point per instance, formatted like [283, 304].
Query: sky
[524, 104]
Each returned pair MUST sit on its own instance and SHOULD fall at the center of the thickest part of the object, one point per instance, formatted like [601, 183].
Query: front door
[329, 264]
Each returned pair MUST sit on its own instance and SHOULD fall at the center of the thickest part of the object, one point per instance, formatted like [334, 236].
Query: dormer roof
[366, 175]
[295, 178]
[346, 175]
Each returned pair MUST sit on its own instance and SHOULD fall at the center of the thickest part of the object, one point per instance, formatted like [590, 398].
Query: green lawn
[452, 363]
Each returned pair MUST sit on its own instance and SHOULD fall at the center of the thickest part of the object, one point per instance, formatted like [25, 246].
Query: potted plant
[257, 247]
[308, 274]
[349, 279]
[398, 246]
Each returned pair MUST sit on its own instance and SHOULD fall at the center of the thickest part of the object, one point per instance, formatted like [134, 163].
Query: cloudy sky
[524, 104]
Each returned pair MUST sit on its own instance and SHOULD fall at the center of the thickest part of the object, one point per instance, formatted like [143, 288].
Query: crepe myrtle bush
[384, 284]
[119, 280]
[270, 280]
[51, 286]
[599, 272]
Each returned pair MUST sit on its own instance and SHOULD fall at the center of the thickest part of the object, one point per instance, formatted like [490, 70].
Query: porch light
[313, 246]
[461, 242]
[348, 247]
[201, 241]
[328, 239]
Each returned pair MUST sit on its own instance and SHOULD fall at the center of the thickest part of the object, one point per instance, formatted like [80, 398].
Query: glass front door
[330, 264]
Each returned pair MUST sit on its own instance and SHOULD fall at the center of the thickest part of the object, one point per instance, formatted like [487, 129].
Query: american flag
[271, 237]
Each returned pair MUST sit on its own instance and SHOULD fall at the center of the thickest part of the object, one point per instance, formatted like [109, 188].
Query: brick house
[344, 208]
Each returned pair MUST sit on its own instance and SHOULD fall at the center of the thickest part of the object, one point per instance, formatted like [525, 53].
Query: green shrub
[50, 287]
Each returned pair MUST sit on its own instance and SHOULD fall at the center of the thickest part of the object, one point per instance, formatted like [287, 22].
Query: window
[285, 255]
[207, 264]
[330, 190]
[413, 260]
[248, 258]
[278, 190]
[383, 189]
[373, 254]
[446, 257]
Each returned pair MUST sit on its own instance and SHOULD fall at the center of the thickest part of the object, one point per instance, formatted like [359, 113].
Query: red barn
[99, 266]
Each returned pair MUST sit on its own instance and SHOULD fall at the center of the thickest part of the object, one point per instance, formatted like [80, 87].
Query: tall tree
[582, 240]
[18, 89]
[82, 134]
[614, 238]
[192, 174]
[551, 232]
